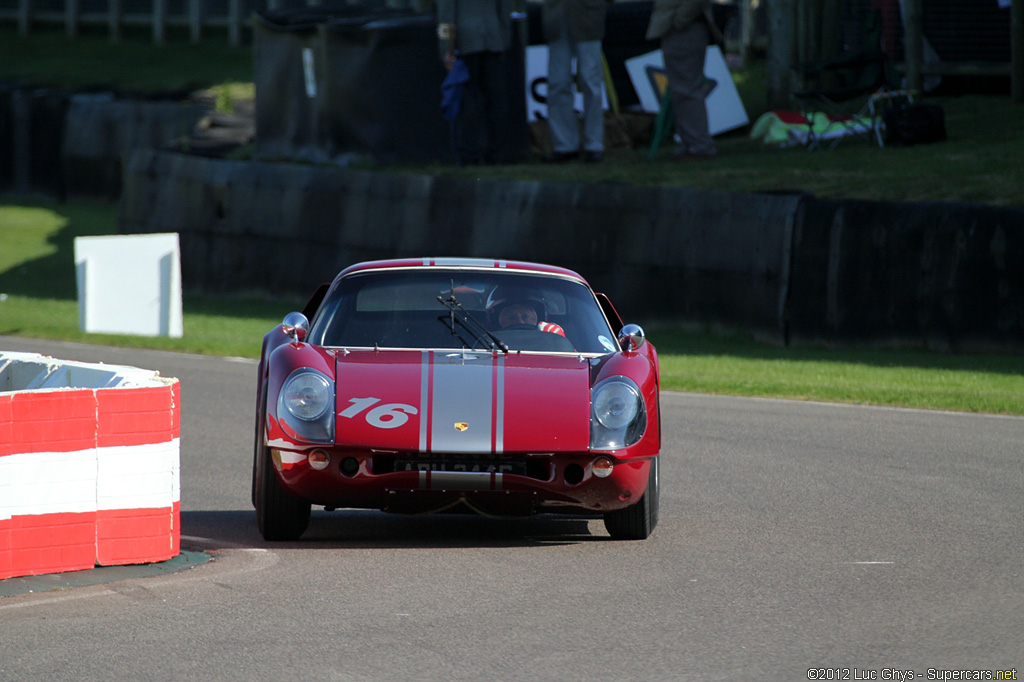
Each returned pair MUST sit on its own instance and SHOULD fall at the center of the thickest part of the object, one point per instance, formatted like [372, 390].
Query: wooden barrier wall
[786, 268]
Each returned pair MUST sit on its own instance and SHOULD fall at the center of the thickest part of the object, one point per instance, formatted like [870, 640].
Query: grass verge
[38, 292]
[37, 281]
[47, 58]
[706, 362]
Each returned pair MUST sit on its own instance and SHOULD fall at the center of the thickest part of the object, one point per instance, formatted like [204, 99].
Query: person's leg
[470, 134]
[684, 53]
[565, 136]
[498, 108]
[591, 70]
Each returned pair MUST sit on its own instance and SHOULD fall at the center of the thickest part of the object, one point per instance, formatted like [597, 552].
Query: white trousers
[562, 120]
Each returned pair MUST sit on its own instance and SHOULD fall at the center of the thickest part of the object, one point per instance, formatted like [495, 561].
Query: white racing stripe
[462, 403]
[465, 262]
[425, 411]
[499, 405]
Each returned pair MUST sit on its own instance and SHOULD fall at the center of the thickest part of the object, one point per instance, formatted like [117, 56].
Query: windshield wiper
[460, 314]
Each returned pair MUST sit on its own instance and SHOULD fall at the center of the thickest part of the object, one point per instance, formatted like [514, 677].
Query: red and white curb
[89, 465]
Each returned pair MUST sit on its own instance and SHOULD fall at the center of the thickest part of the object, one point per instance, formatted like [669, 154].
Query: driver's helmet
[503, 296]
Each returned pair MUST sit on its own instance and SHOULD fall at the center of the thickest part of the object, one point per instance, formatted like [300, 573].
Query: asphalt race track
[797, 541]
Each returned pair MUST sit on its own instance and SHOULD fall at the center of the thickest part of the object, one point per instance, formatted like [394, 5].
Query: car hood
[462, 402]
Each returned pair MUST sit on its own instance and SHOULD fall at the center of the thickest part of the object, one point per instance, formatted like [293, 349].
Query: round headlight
[307, 395]
[616, 404]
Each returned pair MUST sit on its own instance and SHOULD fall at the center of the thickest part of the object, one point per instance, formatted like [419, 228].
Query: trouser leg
[562, 122]
[591, 70]
[470, 132]
[684, 53]
[499, 108]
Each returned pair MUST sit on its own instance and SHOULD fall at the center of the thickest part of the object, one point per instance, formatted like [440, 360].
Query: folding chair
[847, 90]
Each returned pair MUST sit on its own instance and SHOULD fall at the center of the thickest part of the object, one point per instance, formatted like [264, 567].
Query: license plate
[467, 465]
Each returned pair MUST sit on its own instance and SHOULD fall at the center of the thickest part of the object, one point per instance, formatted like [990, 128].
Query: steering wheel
[518, 327]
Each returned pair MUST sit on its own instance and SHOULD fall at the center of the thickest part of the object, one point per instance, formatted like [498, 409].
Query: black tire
[637, 521]
[279, 516]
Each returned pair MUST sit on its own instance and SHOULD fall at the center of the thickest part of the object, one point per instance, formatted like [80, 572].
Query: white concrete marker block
[129, 284]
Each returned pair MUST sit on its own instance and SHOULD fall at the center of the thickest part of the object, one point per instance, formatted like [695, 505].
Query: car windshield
[474, 309]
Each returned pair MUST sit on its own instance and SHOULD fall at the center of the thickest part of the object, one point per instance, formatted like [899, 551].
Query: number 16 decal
[386, 416]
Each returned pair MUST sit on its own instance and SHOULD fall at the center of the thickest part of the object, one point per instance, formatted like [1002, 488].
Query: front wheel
[638, 520]
[279, 516]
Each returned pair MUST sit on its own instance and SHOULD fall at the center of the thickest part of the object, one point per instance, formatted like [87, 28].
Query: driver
[520, 308]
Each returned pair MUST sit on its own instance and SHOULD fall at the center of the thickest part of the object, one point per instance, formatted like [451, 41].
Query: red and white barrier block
[89, 465]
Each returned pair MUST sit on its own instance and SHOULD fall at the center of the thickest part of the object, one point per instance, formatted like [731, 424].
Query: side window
[313, 304]
[585, 323]
[609, 311]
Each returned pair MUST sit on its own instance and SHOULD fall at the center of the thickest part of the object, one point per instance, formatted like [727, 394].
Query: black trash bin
[382, 89]
[287, 122]
[336, 86]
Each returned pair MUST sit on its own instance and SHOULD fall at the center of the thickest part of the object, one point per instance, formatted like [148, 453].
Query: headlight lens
[615, 404]
[618, 418]
[307, 395]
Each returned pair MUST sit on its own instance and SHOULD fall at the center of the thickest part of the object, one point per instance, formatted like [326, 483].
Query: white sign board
[537, 85]
[129, 284]
[725, 108]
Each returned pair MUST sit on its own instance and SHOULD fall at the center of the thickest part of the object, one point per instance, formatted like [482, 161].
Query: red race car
[430, 385]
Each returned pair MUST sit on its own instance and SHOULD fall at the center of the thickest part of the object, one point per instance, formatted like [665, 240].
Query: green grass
[39, 300]
[232, 328]
[135, 65]
[38, 296]
[732, 365]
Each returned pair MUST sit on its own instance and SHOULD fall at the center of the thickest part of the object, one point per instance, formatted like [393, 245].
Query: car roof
[466, 263]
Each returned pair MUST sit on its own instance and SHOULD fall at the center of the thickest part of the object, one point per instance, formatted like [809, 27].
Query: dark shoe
[693, 156]
[561, 157]
[593, 157]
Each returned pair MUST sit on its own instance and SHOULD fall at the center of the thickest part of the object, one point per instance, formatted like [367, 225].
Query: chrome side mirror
[296, 326]
[631, 337]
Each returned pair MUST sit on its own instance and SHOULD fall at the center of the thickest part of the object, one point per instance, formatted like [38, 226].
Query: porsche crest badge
[461, 426]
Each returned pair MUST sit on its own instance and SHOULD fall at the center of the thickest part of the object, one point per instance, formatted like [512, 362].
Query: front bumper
[561, 482]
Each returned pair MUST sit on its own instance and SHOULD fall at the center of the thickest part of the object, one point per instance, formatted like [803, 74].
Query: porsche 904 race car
[441, 384]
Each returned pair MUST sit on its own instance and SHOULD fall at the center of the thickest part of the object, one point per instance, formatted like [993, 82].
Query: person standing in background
[479, 32]
[686, 28]
[575, 28]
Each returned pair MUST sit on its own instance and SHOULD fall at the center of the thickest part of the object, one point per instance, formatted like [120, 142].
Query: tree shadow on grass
[53, 276]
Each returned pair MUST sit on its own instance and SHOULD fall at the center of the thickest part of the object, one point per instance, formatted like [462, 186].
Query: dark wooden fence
[198, 16]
